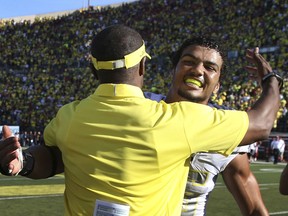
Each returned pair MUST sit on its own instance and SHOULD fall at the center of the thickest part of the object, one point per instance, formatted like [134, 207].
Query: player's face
[197, 73]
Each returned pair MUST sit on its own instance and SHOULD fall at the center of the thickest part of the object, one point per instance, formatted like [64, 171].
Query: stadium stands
[44, 63]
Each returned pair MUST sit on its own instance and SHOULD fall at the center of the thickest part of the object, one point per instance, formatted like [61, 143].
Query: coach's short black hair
[115, 42]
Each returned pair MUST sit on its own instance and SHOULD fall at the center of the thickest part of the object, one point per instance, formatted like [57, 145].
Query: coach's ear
[94, 71]
[142, 67]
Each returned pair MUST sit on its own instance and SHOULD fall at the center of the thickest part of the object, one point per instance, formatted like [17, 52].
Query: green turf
[22, 196]
[221, 202]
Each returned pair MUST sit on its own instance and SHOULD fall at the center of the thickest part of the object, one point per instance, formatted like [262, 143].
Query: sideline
[20, 178]
[268, 163]
[29, 197]
[35, 190]
[279, 213]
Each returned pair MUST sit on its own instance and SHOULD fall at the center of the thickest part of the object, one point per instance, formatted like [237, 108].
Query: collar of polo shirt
[129, 60]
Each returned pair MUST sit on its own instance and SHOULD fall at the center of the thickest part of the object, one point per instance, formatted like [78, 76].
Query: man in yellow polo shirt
[127, 155]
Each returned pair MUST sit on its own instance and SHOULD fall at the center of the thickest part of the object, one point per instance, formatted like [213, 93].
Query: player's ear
[216, 88]
[172, 73]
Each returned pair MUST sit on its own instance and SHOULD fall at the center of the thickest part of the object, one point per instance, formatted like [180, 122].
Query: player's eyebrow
[195, 58]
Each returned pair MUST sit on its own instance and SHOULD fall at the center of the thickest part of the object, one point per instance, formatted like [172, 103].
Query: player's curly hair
[200, 41]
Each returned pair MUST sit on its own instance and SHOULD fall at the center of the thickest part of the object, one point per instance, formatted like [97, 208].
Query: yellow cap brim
[129, 60]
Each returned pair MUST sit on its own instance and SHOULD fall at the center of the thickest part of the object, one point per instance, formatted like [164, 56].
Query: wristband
[28, 164]
[273, 74]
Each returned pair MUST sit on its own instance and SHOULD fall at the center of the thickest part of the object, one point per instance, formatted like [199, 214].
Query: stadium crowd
[45, 63]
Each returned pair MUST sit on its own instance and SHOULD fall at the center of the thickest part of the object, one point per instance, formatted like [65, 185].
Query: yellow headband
[129, 60]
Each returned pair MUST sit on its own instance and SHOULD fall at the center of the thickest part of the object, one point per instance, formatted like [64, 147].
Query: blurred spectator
[277, 145]
[253, 151]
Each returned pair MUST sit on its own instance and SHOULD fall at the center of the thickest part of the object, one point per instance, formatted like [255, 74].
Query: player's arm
[263, 112]
[244, 187]
[37, 162]
[283, 185]
[45, 162]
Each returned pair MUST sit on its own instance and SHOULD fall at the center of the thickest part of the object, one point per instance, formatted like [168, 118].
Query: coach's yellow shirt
[120, 148]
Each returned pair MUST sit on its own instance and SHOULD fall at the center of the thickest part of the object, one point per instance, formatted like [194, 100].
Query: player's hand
[9, 153]
[261, 68]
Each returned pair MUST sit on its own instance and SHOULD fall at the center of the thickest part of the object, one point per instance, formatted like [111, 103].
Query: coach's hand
[9, 153]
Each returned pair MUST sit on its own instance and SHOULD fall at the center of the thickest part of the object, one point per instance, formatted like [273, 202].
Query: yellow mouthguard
[129, 60]
[195, 82]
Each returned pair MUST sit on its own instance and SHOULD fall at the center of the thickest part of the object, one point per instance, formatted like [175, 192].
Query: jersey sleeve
[52, 132]
[211, 130]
